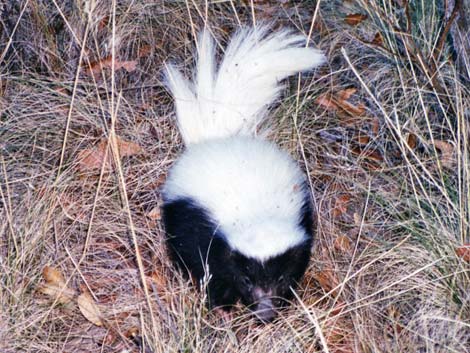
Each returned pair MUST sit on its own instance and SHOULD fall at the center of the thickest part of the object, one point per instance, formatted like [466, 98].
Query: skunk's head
[267, 260]
[265, 286]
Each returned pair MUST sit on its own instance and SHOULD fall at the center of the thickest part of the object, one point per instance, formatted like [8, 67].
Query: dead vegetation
[87, 136]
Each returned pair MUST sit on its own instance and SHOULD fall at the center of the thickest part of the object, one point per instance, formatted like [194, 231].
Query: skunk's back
[253, 191]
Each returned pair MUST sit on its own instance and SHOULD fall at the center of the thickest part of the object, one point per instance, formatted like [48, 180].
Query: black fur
[196, 244]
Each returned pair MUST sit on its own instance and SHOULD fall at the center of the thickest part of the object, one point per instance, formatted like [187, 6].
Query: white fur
[253, 190]
[235, 98]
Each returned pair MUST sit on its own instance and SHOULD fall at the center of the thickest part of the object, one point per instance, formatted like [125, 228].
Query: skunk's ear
[294, 260]
[299, 252]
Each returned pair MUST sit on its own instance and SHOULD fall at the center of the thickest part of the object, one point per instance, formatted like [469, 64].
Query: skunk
[236, 209]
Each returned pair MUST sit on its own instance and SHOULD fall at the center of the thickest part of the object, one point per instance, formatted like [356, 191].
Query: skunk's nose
[264, 310]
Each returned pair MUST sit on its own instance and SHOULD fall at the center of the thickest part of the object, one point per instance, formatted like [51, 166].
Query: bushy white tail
[234, 98]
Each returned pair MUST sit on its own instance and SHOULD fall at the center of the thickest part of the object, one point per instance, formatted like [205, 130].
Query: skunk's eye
[246, 281]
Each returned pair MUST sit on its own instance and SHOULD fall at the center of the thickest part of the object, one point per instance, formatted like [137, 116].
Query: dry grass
[391, 186]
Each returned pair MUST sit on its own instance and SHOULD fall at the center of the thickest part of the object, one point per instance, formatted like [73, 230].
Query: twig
[445, 32]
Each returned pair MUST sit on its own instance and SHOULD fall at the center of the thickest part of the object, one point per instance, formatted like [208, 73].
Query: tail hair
[234, 99]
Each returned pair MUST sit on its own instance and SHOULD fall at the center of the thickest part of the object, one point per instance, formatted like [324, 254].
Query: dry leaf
[411, 140]
[354, 19]
[327, 280]
[53, 275]
[91, 159]
[362, 139]
[345, 94]
[132, 332]
[89, 308]
[395, 315]
[129, 66]
[154, 214]
[96, 67]
[55, 286]
[378, 40]
[128, 148]
[375, 126]
[367, 153]
[144, 50]
[463, 252]
[343, 244]
[355, 110]
[357, 219]
[62, 294]
[339, 102]
[447, 153]
[341, 205]
[326, 100]
[156, 280]
[103, 23]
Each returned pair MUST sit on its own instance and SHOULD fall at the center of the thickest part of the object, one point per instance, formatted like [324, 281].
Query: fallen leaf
[144, 50]
[343, 244]
[357, 219]
[327, 280]
[89, 308]
[362, 139]
[375, 126]
[341, 205]
[411, 140]
[158, 279]
[447, 153]
[53, 275]
[55, 286]
[338, 101]
[395, 316]
[326, 100]
[345, 94]
[355, 110]
[128, 148]
[463, 252]
[354, 19]
[367, 153]
[96, 67]
[91, 159]
[129, 66]
[132, 332]
[154, 214]
[103, 23]
[62, 294]
[378, 40]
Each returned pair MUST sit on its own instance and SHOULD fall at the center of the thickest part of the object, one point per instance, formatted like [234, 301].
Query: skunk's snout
[264, 308]
[265, 311]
